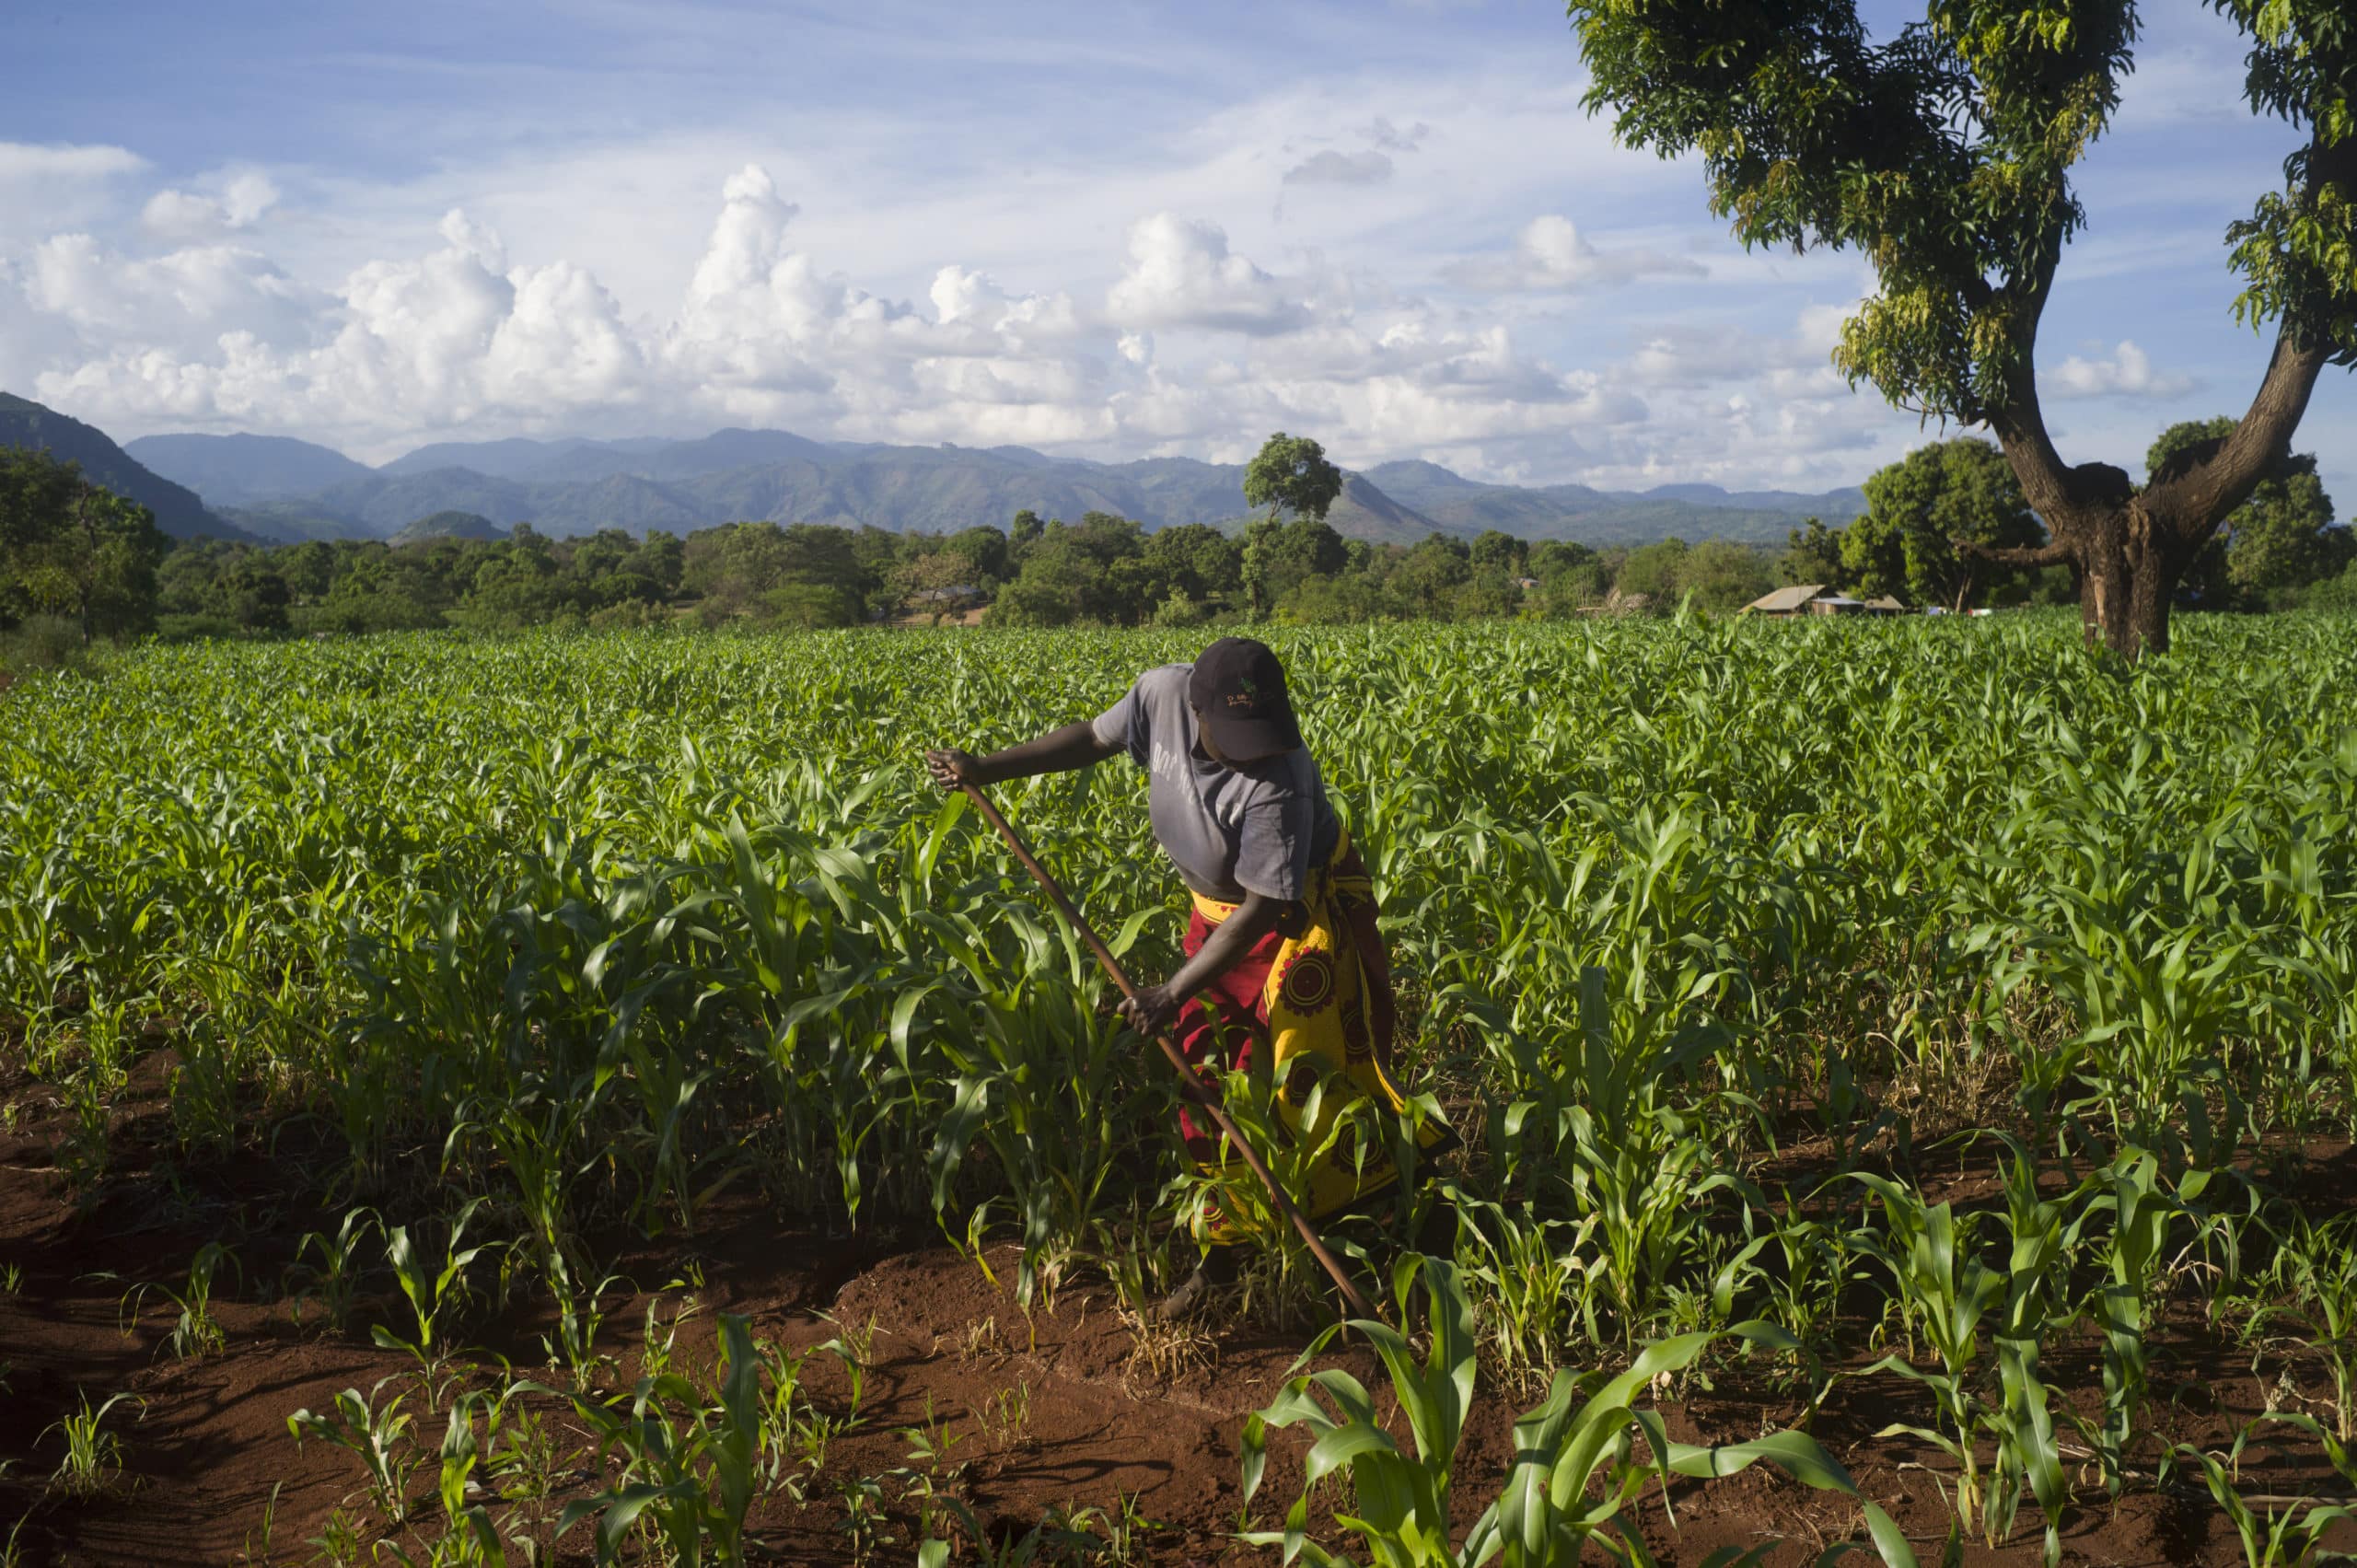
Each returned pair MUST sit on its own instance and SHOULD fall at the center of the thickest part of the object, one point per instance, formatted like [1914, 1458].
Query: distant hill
[238, 471]
[1603, 517]
[178, 511]
[515, 458]
[1364, 511]
[376, 504]
[573, 486]
[724, 451]
[448, 525]
[1829, 507]
[294, 520]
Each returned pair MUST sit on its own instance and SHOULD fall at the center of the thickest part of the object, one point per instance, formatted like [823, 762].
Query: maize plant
[616, 922]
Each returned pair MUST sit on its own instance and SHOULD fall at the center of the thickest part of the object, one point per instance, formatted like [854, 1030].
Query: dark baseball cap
[1239, 689]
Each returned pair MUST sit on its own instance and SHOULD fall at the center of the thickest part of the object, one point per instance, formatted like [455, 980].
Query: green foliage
[1943, 156]
[805, 574]
[1278, 558]
[43, 643]
[1100, 570]
[1920, 509]
[1812, 553]
[1812, 133]
[375, 1434]
[692, 1462]
[2278, 543]
[1290, 473]
[1720, 575]
[333, 1280]
[1583, 1440]
[1104, 570]
[2297, 251]
[432, 1277]
[71, 550]
[93, 1455]
[196, 1332]
[613, 922]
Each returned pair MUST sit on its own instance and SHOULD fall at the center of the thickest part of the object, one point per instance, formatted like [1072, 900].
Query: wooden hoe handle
[1196, 1087]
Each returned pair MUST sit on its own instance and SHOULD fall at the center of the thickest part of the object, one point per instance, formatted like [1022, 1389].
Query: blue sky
[1104, 230]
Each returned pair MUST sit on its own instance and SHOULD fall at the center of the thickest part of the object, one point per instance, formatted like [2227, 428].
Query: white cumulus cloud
[1181, 274]
[186, 215]
[1551, 253]
[1193, 347]
[2129, 373]
[24, 162]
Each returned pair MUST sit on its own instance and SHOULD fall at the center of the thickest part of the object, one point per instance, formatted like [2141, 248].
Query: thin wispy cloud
[1331, 168]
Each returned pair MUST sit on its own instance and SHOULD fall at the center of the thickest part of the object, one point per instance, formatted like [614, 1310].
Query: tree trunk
[2128, 574]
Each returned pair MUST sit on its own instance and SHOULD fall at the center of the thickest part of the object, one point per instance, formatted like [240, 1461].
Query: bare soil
[208, 1445]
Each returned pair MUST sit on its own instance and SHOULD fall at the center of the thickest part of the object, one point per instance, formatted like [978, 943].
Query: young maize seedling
[335, 1278]
[196, 1332]
[1538, 1287]
[690, 1468]
[2141, 1213]
[1943, 1291]
[93, 1455]
[2292, 1538]
[378, 1435]
[2316, 1286]
[468, 1539]
[432, 1285]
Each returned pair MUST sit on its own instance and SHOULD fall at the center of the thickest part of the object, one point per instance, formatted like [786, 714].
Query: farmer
[1282, 951]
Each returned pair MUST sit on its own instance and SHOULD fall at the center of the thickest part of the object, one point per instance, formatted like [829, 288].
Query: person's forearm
[1058, 752]
[1225, 948]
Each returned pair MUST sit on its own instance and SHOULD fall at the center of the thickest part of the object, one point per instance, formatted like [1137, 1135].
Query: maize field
[1906, 1075]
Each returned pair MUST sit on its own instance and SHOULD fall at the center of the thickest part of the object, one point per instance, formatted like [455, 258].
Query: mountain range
[281, 489]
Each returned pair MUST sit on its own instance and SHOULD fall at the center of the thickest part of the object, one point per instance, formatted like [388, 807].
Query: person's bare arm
[1154, 1008]
[1058, 752]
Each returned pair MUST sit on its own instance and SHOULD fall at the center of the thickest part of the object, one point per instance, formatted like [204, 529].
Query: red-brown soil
[210, 1443]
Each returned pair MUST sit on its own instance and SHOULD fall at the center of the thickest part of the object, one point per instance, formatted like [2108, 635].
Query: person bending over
[1283, 962]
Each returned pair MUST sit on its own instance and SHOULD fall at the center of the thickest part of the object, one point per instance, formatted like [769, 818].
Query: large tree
[1290, 473]
[1930, 522]
[1944, 154]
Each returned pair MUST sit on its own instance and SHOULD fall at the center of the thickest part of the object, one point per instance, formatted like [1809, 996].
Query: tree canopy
[1944, 154]
[72, 549]
[2276, 544]
[1290, 473]
[1924, 514]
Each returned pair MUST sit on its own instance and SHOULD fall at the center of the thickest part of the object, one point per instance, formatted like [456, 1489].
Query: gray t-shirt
[1258, 828]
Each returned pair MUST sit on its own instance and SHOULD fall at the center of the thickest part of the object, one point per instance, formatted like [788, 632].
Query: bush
[1332, 601]
[368, 613]
[1180, 611]
[809, 605]
[630, 613]
[44, 641]
[2334, 593]
[196, 628]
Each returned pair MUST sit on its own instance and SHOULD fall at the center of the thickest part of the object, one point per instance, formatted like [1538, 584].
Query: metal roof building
[1815, 598]
[1785, 601]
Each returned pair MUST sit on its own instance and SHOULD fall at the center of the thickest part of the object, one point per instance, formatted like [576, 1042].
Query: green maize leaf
[1341, 1446]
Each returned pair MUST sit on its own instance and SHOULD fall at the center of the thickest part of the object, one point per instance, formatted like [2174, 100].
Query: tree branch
[2054, 552]
[2049, 486]
[2192, 503]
